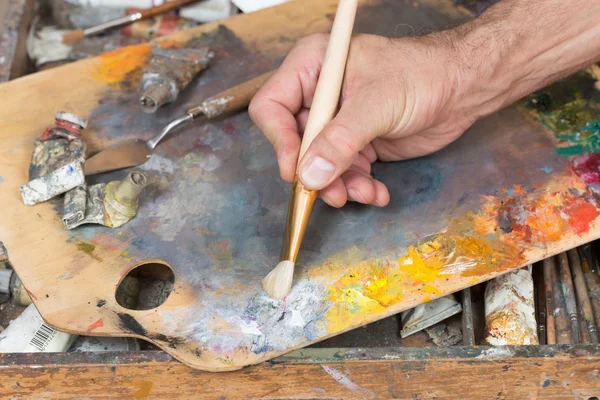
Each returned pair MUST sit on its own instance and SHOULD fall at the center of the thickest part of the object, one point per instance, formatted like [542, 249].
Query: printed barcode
[42, 337]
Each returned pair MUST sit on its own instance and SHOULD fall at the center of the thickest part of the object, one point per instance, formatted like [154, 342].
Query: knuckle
[254, 108]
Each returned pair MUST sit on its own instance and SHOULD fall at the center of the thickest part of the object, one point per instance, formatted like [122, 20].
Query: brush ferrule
[299, 209]
[112, 24]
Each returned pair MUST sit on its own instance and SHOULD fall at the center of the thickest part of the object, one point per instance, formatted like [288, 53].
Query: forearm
[518, 46]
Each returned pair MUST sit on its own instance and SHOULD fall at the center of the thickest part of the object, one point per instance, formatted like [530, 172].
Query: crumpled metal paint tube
[169, 71]
[510, 310]
[57, 160]
[84, 205]
[111, 204]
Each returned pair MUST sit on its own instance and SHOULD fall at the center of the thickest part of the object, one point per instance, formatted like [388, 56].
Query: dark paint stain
[101, 303]
[506, 367]
[546, 382]
[129, 323]
[504, 221]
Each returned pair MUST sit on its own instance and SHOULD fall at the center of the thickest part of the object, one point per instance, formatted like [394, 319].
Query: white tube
[5, 275]
[30, 334]
[510, 310]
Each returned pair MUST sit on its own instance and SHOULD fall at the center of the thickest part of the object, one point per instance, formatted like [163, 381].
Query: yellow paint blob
[370, 288]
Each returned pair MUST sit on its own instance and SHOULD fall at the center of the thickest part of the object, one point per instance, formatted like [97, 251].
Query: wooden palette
[500, 197]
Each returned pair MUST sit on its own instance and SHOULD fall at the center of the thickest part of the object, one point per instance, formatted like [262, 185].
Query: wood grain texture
[532, 372]
[215, 206]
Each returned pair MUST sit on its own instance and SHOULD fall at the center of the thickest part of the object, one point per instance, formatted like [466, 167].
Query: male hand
[398, 101]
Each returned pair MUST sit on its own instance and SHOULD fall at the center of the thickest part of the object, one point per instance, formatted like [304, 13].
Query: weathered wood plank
[544, 372]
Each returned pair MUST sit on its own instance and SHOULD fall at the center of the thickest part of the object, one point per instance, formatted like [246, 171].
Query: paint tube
[5, 276]
[5, 269]
[84, 205]
[169, 71]
[428, 314]
[510, 310]
[18, 291]
[111, 204]
[161, 25]
[3, 256]
[99, 343]
[28, 333]
[57, 160]
[121, 199]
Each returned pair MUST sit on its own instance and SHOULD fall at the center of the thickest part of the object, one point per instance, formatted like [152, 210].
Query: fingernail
[316, 172]
[356, 196]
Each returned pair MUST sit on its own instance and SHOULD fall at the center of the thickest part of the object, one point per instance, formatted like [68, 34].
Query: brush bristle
[73, 36]
[279, 281]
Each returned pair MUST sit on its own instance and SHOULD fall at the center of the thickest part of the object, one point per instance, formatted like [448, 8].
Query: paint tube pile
[57, 168]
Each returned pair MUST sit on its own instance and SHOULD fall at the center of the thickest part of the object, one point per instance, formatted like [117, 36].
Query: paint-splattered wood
[496, 199]
[529, 372]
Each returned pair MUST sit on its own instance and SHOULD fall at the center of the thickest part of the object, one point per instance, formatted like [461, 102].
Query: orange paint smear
[115, 65]
[562, 207]
[581, 217]
[95, 325]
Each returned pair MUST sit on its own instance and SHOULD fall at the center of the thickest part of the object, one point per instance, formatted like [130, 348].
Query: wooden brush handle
[165, 7]
[327, 94]
[231, 100]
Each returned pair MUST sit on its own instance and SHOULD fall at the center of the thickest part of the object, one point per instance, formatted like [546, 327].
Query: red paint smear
[31, 294]
[587, 167]
[95, 325]
[581, 217]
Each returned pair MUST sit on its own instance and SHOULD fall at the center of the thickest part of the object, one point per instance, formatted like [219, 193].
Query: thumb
[336, 147]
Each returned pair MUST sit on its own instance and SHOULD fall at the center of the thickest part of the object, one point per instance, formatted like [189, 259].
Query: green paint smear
[571, 109]
[88, 248]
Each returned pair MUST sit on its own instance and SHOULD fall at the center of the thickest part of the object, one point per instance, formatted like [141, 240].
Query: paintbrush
[592, 280]
[278, 282]
[548, 265]
[540, 301]
[583, 299]
[78, 34]
[136, 152]
[564, 334]
[569, 293]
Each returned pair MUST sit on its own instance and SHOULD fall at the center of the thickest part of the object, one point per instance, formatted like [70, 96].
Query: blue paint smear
[1, 179]
[490, 236]
[546, 169]
[510, 192]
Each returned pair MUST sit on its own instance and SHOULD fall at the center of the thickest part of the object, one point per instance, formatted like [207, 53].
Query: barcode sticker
[42, 337]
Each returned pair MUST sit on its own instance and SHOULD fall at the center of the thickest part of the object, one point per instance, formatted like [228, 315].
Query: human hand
[398, 102]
